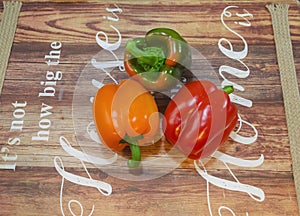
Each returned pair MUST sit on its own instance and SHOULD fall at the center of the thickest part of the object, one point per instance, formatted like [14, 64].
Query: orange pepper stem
[135, 159]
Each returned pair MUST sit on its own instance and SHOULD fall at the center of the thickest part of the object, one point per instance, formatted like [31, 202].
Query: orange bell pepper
[126, 114]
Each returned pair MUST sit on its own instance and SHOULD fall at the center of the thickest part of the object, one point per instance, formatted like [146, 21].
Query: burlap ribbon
[7, 31]
[285, 58]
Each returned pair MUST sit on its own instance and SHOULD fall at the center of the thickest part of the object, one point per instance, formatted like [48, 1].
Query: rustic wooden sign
[64, 51]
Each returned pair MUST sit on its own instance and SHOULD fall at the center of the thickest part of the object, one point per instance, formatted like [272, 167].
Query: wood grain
[34, 187]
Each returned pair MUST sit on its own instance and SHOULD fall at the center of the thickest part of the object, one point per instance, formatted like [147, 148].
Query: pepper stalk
[135, 159]
[150, 58]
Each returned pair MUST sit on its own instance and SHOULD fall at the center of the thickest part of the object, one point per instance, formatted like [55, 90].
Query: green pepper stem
[135, 159]
[228, 89]
[143, 56]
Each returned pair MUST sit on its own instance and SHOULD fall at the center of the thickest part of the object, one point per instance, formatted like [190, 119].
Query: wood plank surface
[34, 186]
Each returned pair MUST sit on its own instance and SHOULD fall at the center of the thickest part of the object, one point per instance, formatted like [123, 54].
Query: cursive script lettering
[84, 156]
[246, 14]
[235, 55]
[103, 187]
[254, 192]
[112, 11]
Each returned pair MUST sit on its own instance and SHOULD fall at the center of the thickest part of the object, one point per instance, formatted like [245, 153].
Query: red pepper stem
[228, 89]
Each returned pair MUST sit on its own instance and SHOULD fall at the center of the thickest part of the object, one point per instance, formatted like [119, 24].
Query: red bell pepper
[199, 119]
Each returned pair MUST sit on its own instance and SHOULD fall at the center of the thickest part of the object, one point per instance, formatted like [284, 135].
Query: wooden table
[34, 118]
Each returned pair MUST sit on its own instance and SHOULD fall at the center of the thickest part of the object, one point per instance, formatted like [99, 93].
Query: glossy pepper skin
[199, 119]
[126, 114]
[158, 59]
